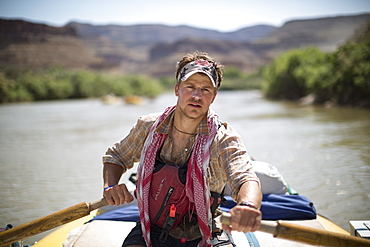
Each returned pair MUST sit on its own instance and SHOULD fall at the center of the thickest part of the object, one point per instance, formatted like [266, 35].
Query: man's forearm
[111, 174]
[250, 192]
[115, 193]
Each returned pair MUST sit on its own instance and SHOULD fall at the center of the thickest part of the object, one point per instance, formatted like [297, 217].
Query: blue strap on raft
[252, 240]
[273, 207]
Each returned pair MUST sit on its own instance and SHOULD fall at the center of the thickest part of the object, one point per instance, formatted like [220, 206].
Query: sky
[220, 15]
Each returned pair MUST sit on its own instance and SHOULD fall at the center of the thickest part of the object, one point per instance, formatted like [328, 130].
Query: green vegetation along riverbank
[17, 85]
[57, 83]
[341, 77]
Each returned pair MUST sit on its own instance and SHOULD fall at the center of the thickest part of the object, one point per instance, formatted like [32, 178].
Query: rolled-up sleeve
[127, 151]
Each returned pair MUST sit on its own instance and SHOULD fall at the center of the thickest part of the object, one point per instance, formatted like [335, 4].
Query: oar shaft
[304, 234]
[49, 222]
[315, 236]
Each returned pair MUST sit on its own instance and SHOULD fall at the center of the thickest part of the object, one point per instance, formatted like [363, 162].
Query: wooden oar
[304, 234]
[49, 222]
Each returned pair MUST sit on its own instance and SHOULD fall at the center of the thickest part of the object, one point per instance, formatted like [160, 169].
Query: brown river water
[50, 152]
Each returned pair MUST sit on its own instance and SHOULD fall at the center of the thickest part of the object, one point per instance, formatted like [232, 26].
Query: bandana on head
[197, 189]
[199, 66]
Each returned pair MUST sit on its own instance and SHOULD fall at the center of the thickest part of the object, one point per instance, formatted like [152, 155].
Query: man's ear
[214, 97]
[176, 87]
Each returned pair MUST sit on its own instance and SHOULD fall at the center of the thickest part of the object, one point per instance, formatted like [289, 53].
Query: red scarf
[197, 189]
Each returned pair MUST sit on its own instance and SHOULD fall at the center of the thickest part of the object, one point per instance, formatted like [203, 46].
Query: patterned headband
[199, 66]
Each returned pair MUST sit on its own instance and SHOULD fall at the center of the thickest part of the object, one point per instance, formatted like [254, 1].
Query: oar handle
[98, 204]
[49, 222]
[266, 226]
[304, 234]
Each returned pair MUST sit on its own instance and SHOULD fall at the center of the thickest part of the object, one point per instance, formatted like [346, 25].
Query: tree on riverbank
[341, 77]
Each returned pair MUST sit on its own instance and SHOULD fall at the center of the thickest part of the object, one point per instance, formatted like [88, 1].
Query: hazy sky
[222, 15]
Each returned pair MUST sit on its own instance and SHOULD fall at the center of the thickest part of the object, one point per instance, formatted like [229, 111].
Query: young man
[186, 155]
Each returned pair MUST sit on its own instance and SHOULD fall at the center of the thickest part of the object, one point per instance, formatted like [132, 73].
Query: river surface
[50, 152]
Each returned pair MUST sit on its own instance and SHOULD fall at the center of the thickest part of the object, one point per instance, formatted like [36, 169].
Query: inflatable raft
[108, 226]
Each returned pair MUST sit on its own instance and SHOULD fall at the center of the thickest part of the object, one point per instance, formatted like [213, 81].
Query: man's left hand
[244, 219]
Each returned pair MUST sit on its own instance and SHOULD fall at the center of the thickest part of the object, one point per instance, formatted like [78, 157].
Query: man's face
[195, 95]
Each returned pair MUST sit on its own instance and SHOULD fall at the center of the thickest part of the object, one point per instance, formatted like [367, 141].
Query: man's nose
[197, 94]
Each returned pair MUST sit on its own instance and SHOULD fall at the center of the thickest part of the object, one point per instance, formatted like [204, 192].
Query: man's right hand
[117, 195]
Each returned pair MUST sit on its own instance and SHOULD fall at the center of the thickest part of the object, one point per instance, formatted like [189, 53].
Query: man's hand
[117, 195]
[244, 219]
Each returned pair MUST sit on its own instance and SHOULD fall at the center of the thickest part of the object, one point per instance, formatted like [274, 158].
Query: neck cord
[186, 133]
